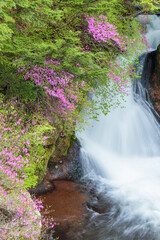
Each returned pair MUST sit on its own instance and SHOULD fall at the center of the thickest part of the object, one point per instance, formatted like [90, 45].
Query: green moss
[61, 148]
[32, 141]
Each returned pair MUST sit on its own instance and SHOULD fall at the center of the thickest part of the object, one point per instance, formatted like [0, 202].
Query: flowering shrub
[22, 150]
[23, 155]
[64, 95]
[24, 136]
[20, 218]
[24, 131]
[102, 30]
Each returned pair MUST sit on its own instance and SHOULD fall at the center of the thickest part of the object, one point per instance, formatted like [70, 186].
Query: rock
[51, 140]
[157, 70]
[61, 148]
[155, 83]
[60, 158]
[68, 167]
[44, 187]
[62, 172]
[61, 166]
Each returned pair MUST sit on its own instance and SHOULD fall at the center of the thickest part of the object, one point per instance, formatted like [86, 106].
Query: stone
[155, 84]
[66, 167]
[61, 148]
[44, 187]
[158, 65]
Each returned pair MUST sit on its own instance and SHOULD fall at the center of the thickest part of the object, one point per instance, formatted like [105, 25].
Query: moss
[37, 140]
[61, 148]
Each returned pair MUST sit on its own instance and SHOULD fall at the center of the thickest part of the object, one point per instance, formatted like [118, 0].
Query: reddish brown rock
[155, 83]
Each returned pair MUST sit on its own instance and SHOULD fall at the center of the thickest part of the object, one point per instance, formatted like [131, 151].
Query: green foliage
[29, 137]
[35, 31]
[14, 85]
[148, 5]
[39, 30]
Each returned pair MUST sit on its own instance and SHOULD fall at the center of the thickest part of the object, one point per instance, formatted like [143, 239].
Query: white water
[121, 153]
[153, 35]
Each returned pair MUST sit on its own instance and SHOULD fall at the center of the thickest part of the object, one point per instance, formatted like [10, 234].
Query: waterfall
[121, 158]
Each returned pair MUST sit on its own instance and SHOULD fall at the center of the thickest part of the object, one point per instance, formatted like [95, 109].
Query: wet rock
[155, 83]
[67, 167]
[61, 149]
[157, 70]
[61, 171]
[44, 187]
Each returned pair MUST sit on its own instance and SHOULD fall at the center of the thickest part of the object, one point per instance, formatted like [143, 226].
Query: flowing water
[121, 159]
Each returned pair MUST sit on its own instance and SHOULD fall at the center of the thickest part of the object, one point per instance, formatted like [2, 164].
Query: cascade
[121, 159]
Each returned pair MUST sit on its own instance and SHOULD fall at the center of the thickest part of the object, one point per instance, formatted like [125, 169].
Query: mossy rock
[42, 152]
[61, 148]
[48, 155]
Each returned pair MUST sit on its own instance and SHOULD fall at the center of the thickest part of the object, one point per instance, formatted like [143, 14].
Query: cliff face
[155, 83]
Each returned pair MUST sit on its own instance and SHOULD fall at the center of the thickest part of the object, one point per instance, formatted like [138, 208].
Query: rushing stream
[121, 159]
